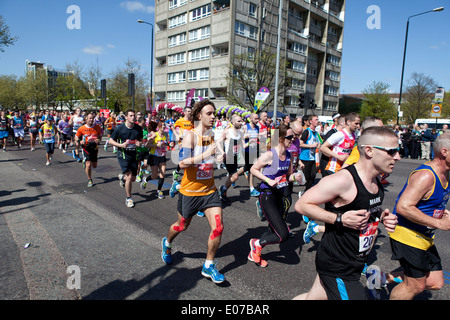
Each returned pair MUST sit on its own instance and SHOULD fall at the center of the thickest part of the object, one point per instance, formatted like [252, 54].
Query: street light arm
[434, 10]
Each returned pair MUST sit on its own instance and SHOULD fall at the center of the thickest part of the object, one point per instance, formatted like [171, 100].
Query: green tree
[419, 96]
[377, 102]
[6, 39]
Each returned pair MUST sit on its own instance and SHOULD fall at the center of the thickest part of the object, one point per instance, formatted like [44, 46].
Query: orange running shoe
[255, 254]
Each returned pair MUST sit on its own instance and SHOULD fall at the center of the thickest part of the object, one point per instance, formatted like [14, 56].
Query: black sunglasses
[289, 137]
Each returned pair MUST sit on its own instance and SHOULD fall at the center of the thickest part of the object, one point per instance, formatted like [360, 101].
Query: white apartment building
[195, 41]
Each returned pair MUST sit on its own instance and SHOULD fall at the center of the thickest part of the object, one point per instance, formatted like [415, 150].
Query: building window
[334, 76]
[244, 30]
[298, 66]
[198, 75]
[298, 84]
[199, 54]
[199, 34]
[175, 96]
[335, 61]
[176, 3]
[252, 10]
[297, 47]
[200, 13]
[200, 93]
[177, 40]
[177, 58]
[331, 91]
[177, 21]
[312, 72]
[176, 77]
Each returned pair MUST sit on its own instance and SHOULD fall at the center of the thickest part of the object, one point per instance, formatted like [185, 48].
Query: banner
[148, 104]
[189, 97]
[260, 97]
[105, 112]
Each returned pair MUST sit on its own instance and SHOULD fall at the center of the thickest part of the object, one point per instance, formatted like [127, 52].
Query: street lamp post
[151, 63]
[404, 56]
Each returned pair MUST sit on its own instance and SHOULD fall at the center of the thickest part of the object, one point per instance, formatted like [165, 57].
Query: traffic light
[131, 84]
[301, 101]
[312, 104]
[103, 89]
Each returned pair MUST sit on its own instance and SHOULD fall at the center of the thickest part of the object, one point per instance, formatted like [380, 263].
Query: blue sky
[110, 34]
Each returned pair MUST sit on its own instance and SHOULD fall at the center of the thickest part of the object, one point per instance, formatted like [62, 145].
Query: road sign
[436, 110]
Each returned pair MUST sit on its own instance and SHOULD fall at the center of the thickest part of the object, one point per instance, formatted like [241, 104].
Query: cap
[50, 118]
[336, 115]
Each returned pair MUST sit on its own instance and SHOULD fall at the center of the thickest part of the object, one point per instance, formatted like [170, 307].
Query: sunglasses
[289, 137]
[390, 151]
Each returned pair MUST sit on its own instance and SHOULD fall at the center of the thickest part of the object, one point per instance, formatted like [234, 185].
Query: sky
[109, 34]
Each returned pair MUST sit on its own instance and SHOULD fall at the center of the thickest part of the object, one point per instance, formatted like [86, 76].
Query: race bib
[131, 145]
[204, 171]
[161, 151]
[367, 237]
[282, 181]
[91, 138]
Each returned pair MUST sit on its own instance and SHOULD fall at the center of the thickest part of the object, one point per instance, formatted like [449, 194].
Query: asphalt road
[84, 243]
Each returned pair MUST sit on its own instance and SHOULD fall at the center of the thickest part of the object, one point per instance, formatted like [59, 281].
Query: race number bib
[91, 138]
[131, 145]
[204, 171]
[282, 181]
[367, 237]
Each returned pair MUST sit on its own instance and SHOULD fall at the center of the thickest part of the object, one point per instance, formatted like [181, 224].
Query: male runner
[421, 210]
[127, 137]
[353, 199]
[4, 128]
[18, 126]
[88, 136]
[198, 191]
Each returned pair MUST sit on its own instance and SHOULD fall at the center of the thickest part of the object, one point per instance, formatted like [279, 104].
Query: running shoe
[255, 254]
[105, 147]
[144, 183]
[90, 183]
[48, 163]
[201, 214]
[173, 189]
[311, 231]
[166, 253]
[121, 182]
[213, 273]
[64, 151]
[175, 175]
[259, 211]
[223, 194]
[129, 203]
[305, 219]
[254, 192]
[160, 195]
[73, 154]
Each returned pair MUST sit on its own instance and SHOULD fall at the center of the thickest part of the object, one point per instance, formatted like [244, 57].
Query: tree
[6, 39]
[419, 96]
[377, 102]
[248, 73]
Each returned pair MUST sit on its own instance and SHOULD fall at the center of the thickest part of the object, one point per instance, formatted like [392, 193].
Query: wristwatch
[338, 221]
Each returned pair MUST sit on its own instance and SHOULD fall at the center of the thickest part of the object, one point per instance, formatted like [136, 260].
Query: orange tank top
[198, 179]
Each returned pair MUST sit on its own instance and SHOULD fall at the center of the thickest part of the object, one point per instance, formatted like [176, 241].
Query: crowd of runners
[345, 206]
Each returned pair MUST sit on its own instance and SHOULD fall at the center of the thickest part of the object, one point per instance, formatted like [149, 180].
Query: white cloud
[98, 49]
[94, 50]
[137, 6]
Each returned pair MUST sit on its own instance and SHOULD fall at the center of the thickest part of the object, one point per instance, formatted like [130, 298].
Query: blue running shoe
[212, 273]
[73, 154]
[305, 218]
[166, 253]
[259, 211]
[223, 194]
[201, 214]
[311, 231]
[254, 193]
[173, 189]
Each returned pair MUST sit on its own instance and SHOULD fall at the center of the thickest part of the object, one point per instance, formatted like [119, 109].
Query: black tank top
[343, 251]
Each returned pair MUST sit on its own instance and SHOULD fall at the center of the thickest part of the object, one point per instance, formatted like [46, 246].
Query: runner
[277, 172]
[127, 137]
[234, 143]
[33, 130]
[251, 151]
[88, 137]
[353, 199]
[18, 126]
[4, 128]
[309, 141]
[110, 124]
[157, 159]
[142, 153]
[198, 191]
[182, 126]
[65, 132]
[337, 148]
[47, 135]
[421, 210]
[77, 120]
